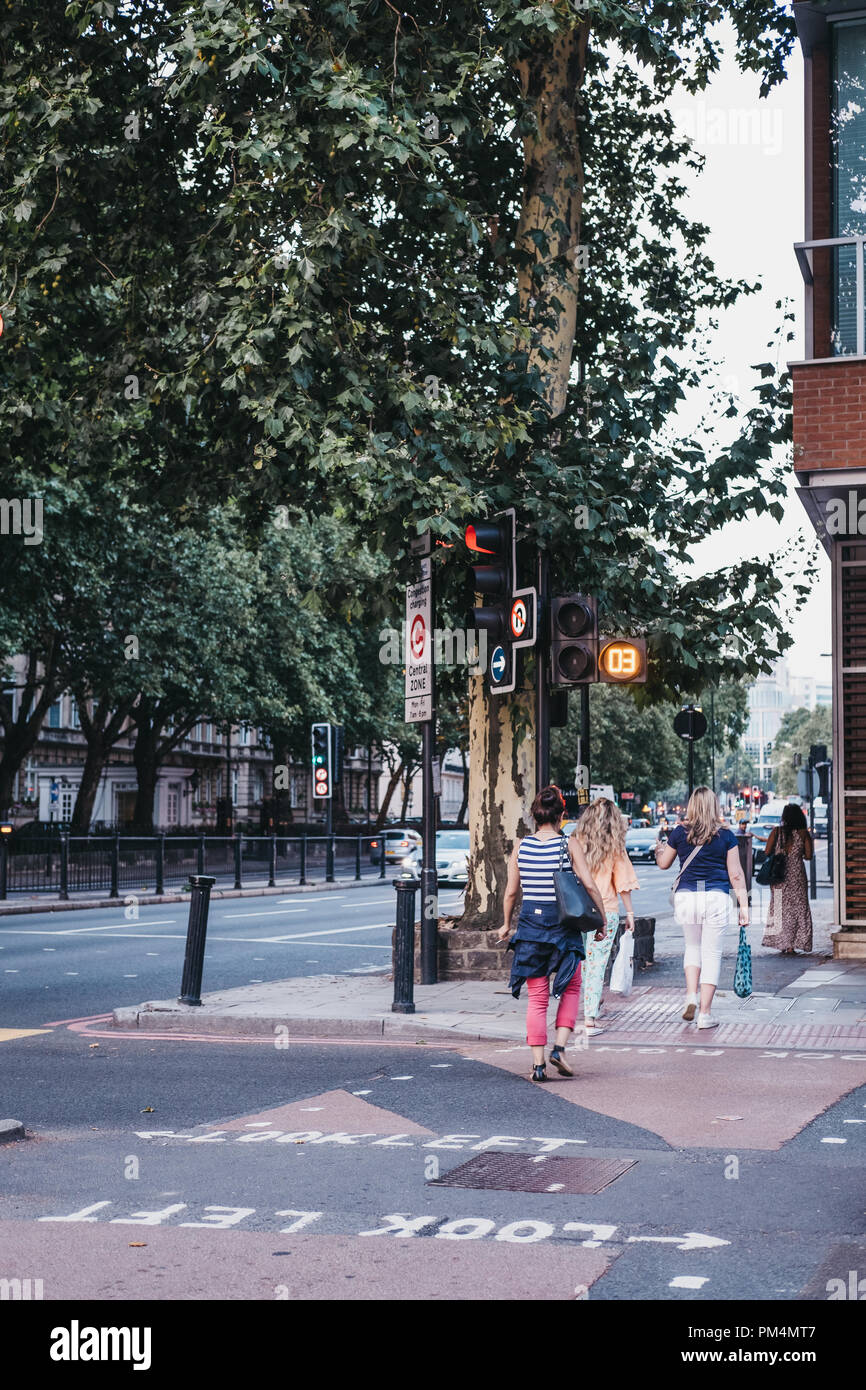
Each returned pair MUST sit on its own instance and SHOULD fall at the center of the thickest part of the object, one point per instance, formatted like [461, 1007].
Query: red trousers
[536, 1009]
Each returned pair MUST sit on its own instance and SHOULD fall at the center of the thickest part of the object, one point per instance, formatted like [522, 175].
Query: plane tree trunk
[502, 754]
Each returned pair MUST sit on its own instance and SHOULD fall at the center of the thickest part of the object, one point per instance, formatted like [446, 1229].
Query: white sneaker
[706, 1021]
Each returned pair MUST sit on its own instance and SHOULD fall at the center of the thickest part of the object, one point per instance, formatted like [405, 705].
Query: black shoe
[558, 1060]
[539, 1073]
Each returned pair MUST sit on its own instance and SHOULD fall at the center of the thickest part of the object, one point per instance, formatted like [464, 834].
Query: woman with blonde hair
[709, 868]
[600, 832]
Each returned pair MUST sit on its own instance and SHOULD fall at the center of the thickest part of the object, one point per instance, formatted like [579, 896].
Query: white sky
[750, 194]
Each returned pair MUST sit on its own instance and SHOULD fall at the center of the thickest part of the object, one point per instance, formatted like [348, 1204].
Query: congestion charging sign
[419, 653]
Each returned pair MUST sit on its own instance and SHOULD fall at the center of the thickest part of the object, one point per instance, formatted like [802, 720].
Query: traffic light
[573, 639]
[322, 762]
[825, 783]
[622, 660]
[494, 579]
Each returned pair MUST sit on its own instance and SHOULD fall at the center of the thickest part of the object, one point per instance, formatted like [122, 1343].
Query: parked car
[640, 842]
[452, 858]
[398, 843]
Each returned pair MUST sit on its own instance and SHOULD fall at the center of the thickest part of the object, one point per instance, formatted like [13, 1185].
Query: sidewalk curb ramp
[187, 1018]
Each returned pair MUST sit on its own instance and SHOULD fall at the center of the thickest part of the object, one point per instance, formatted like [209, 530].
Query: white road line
[113, 926]
[326, 897]
[244, 940]
[329, 931]
[320, 945]
[272, 912]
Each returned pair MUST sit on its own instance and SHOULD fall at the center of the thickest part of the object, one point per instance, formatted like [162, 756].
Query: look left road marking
[7, 1034]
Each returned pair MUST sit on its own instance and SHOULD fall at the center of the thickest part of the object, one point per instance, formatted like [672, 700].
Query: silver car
[452, 858]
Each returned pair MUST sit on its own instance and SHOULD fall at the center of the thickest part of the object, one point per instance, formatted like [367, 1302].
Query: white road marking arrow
[597, 1233]
[692, 1240]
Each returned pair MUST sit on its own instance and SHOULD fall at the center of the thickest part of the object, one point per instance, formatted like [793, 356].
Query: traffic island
[10, 1131]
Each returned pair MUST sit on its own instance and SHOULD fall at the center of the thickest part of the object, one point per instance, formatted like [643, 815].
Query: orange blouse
[612, 877]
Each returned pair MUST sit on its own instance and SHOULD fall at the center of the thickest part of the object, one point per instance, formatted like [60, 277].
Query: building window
[55, 714]
[849, 175]
[259, 784]
[171, 804]
[67, 801]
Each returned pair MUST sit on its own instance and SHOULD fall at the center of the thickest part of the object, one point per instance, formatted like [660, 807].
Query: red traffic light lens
[489, 537]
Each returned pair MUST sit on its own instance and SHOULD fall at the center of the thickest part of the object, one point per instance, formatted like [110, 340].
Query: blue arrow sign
[498, 663]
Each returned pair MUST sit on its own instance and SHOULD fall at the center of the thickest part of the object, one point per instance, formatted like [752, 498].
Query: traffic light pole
[584, 743]
[542, 687]
[813, 867]
[429, 887]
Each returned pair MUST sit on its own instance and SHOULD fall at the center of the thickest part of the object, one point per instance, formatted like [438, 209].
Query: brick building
[830, 405]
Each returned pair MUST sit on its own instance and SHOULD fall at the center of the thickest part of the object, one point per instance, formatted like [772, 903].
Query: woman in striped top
[541, 946]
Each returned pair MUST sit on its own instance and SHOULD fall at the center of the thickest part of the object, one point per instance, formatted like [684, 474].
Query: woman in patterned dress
[789, 920]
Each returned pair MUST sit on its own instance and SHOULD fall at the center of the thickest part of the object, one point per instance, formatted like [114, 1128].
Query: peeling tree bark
[500, 794]
[502, 781]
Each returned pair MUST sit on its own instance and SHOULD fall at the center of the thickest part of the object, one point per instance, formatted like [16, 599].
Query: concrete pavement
[320, 1006]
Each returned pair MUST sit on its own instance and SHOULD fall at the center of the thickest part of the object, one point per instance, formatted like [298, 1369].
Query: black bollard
[404, 950]
[196, 932]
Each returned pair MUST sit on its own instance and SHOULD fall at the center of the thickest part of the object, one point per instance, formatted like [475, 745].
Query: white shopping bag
[623, 967]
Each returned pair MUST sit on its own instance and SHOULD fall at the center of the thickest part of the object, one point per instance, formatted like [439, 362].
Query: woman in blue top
[709, 868]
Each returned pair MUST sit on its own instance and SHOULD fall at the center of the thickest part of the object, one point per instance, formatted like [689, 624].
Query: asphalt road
[158, 1172]
[61, 965]
[177, 1169]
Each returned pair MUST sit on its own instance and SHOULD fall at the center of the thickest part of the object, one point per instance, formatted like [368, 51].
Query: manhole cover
[524, 1173]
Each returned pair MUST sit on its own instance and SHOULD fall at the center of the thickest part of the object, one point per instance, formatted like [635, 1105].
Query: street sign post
[420, 698]
[691, 724]
[419, 653]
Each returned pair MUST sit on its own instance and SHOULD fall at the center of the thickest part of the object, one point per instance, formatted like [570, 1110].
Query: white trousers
[703, 917]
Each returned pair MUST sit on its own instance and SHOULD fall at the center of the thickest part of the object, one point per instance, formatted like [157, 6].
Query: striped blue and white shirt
[536, 860]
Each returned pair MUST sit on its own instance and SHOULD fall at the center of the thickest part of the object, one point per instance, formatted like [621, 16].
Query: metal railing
[122, 866]
[801, 250]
